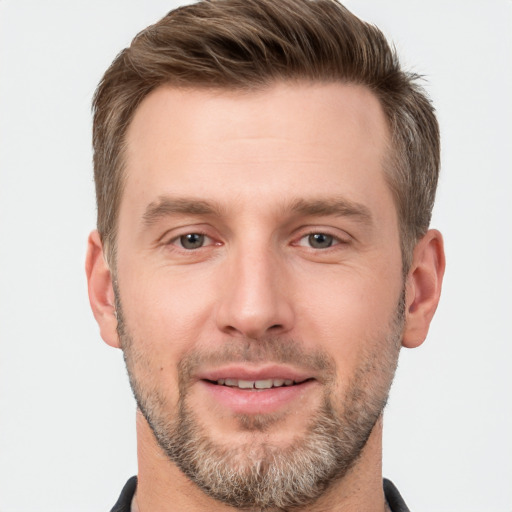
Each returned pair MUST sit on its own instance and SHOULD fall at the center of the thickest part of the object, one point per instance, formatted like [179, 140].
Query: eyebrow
[334, 206]
[166, 206]
[337, 206]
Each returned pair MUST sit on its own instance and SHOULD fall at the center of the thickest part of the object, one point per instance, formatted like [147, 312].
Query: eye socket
[320, 240]
[192, 241]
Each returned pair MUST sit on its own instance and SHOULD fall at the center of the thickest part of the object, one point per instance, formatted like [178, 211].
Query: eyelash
[177, 241]
[334, 241]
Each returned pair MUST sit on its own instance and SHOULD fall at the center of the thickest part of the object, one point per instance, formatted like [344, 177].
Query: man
[265, 175]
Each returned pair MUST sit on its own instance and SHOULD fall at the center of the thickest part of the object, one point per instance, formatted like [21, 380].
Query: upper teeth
[255, 384]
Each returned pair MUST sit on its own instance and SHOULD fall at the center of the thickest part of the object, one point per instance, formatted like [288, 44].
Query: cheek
[351, 316]
[356, 327]
[164, 315]
[160, 296]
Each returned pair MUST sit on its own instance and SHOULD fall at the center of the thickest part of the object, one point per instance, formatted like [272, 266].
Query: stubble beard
[261, 476]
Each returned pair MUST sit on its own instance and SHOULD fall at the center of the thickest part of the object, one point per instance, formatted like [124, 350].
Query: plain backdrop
[67, 436]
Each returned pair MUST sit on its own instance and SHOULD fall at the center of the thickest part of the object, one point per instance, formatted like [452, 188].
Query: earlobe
[101, 291]
[423, 288]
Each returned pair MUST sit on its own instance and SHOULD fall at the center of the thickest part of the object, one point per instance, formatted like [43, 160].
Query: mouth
[247, 390]
[260, 384]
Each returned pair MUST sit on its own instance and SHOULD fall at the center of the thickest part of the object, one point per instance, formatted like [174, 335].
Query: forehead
[229, 146]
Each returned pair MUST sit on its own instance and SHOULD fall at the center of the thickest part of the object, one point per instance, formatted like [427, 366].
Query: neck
[163, 487]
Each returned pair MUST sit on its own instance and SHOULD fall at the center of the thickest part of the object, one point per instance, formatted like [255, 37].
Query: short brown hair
[250, 44]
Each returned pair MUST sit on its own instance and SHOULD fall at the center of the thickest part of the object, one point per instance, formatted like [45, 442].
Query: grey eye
[320, 240]
[192, 241]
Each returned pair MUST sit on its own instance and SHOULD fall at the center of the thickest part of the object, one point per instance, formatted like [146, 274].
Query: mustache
[274, 350]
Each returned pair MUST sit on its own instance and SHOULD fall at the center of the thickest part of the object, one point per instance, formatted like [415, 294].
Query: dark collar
[395, 501]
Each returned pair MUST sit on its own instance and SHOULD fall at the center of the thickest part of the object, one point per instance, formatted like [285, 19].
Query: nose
[256, 300]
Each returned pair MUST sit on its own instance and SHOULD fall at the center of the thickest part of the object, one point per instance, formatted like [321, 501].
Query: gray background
[67, 438]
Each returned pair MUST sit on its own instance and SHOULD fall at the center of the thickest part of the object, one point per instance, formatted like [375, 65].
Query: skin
[253, 157]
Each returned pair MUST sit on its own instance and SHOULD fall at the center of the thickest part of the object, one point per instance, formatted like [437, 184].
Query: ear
[423, 287]
[101, 291]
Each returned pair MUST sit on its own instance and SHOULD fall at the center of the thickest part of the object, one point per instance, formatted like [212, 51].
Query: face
[259, 284]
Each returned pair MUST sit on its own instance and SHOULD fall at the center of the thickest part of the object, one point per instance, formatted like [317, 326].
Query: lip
[255, 373]
[256, 401]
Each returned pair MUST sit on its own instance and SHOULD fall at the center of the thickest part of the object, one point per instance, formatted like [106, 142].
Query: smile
[249, 389]
[257, 384]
